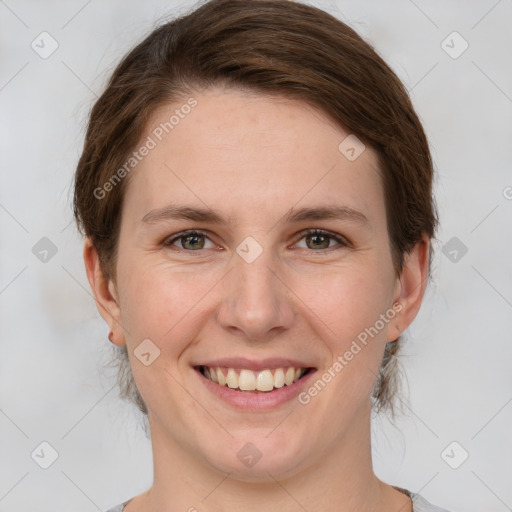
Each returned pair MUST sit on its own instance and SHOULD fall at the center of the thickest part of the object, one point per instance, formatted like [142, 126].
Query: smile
[265, 380]
[253, 384]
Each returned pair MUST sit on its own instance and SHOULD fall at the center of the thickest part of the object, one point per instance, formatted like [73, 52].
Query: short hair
[271, 47]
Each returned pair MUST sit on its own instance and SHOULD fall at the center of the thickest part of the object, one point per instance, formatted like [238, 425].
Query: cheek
[159, 303]
[348, 305]
[345, 301]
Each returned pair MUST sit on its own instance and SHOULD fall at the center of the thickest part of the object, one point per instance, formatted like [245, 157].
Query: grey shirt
[419, 503]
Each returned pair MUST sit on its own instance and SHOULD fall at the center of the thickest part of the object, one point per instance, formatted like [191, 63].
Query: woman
[256, 194]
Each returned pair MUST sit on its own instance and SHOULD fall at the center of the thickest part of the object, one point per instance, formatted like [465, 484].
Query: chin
[258, 460]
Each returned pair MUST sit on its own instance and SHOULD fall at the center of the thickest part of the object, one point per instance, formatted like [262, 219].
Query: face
[254, 290]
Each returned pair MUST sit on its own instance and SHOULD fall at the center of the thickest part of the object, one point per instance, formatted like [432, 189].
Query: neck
[339, 480]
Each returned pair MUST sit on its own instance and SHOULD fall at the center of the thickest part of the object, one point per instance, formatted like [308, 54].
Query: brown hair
[275, 47]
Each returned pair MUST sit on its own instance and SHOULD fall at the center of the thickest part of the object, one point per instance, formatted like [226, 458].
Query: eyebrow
[182, 212]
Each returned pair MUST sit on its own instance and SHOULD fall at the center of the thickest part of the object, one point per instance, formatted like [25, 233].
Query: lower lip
[256, 401]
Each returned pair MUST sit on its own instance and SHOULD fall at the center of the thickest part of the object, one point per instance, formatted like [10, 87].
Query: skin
[253, 158]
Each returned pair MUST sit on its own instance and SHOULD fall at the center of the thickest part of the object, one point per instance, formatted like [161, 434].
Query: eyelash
[185, 234]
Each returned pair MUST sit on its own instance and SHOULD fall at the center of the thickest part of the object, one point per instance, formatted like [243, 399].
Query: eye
[321, 239]
[193, 240]
[190, 240]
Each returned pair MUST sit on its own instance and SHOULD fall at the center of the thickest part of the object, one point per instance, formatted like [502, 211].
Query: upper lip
[255, 365]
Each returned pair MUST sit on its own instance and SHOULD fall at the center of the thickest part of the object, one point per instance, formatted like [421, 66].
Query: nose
[256, 304]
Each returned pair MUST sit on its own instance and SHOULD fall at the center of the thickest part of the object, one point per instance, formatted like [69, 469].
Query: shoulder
[119, 508]
[420, 504]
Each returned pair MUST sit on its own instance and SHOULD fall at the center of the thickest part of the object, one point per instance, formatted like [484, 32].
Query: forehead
[239, 149]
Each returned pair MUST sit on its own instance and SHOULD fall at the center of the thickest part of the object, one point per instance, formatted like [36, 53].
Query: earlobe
[411, 287]
[104, 292]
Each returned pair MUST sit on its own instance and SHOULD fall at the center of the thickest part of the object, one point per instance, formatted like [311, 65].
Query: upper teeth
[248, 380]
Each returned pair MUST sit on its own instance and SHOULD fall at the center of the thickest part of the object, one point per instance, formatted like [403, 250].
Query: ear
[410, 287]
[104, 292]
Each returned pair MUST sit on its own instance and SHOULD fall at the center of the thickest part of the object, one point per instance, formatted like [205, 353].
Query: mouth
[253, 382]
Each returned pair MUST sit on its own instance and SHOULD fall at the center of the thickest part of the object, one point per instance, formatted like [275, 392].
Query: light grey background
[53, 342]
